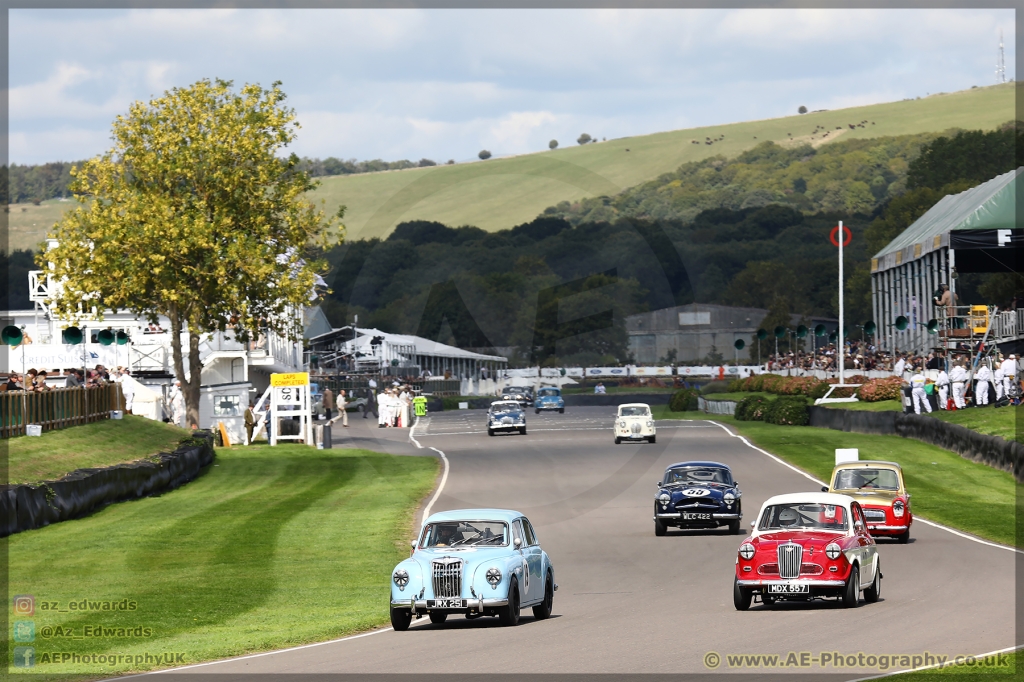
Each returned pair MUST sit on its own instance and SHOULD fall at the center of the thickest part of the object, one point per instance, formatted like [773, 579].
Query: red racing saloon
[807, 546]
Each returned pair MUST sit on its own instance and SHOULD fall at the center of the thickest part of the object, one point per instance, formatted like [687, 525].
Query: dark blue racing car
[697, 495]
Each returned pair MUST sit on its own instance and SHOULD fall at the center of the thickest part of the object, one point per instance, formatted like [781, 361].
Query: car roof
[504, 402]
[697, 464]
[811, 498]
[868, 464]
[506, 515]
[635, 405]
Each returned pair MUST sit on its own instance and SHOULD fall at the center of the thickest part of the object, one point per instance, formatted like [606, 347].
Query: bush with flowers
[875, 390]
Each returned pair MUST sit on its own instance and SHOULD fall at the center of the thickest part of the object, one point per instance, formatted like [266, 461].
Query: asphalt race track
[630, 602]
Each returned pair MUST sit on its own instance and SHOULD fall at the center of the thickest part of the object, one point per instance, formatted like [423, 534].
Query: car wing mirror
[751, 524]
[518, 543]
[824, 488]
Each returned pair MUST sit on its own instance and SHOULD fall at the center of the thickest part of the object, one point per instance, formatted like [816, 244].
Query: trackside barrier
[716, 406]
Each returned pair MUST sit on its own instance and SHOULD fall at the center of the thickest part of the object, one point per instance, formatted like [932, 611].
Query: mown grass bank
[1006, 665]
[99, 444]
[946, 488]
[272, 547]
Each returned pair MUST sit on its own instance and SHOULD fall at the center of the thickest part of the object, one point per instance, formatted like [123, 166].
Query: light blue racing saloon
[478, 562]
[549, 398]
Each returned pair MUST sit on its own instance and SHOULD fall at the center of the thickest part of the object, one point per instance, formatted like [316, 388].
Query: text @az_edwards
[836, 660]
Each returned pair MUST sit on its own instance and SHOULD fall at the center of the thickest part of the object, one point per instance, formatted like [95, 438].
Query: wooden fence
[56, 409]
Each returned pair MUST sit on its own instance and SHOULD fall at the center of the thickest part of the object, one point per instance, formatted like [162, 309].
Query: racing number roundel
[695, 492]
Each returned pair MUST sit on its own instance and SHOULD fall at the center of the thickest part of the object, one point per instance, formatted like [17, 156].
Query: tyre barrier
[25, 507]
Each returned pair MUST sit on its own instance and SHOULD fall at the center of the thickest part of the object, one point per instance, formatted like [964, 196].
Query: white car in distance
[634, 422]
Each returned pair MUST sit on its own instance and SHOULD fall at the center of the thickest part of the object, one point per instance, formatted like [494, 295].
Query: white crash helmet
[787, 517]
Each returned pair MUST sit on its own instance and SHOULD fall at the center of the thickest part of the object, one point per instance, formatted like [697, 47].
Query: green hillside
[500, 193]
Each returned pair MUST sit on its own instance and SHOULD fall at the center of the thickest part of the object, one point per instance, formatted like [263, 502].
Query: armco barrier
[717, 406]
[24, 507]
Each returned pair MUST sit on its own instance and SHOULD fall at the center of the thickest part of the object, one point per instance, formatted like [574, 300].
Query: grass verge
[946, 488]
[268, 549]
[1005, 665]
[99, 444]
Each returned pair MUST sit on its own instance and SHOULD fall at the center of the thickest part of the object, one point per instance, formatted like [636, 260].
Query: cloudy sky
[444, 84]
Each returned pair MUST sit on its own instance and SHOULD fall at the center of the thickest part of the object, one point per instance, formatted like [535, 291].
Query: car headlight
[650, 423]
[729, 497]
[833, 551]
[622, 424]
[493, 576]
[664, 498]
[401, 578]
[747, 551]
[898, 508]
[504, 397]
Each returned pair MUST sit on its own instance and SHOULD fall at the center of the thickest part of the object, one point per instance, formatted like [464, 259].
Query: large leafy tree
[194, 214]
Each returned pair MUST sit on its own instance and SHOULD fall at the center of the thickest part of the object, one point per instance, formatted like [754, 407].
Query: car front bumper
[887, 530]
[507, 427]
[477, 605]
[548, 406]
[677, 515]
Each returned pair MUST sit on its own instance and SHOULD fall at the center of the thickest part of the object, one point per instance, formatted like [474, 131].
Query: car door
[867, 550]
[534, 560]
[524, 569]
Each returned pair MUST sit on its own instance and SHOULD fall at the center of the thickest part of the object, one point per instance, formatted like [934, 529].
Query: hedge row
[785, 410]
[872, 390]
[684, 400]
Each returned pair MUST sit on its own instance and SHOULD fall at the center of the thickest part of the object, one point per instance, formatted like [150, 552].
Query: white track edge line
[916, 518]
[941, 666]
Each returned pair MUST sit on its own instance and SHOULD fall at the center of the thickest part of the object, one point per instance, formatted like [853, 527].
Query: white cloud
[408, 83]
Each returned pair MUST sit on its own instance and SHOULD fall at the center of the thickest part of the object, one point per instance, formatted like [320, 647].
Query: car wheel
[652, 439]
[851, 593]
[438, 617]
[872, 594]
[734, 527]
[659, 527]
[741, 597]
[509, 615]
[490, 432]
[618, 440]
[542, 610]
[904, 537]
[400, 619]
[522, 430]
[561, 411]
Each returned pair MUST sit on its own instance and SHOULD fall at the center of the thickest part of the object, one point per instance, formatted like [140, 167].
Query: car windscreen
[505, 407]
[465, 534]
[634, 411]
[803, 515]
[548, 392]
[871, 479]
[698, 475]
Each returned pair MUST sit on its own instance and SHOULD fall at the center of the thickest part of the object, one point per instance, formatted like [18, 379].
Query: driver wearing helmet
[445, 535]
[787, 518]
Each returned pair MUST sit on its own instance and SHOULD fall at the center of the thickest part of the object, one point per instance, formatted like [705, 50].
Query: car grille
[447, 574]
[768, 569]
[790, 556]
[696, 504]
[810, 569]
[635, 428]
[874, 514]
[506, 420]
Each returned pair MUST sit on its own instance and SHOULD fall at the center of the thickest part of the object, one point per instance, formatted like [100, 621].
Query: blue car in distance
[476, 562]
[697, 495]
[549, 398]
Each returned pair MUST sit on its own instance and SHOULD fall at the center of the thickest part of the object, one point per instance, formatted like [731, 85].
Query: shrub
[684, 400]
[787, 411]
[484, 154]
[553, 144]
[736, 385]
[751, 409]
[875, 390]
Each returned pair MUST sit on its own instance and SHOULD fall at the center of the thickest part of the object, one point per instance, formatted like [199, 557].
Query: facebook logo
[24, 656]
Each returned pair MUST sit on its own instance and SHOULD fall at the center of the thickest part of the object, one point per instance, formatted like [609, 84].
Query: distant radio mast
[1001, 64]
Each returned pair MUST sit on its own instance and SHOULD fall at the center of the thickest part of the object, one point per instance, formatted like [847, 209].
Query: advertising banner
[607, 372]
[653, 371]
[54, 356]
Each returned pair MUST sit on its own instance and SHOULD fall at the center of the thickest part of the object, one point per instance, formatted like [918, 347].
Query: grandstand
[971, 232]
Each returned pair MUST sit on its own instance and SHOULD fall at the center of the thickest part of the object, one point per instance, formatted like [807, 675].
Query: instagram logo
[24, 605]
